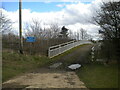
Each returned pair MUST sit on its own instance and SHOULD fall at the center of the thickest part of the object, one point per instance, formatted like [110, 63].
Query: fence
[58, 49]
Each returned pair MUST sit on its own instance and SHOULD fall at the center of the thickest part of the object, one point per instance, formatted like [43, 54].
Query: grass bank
[14, 64]
[99, 76]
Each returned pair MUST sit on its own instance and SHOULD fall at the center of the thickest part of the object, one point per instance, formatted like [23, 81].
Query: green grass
[99, 76]
[15, 64]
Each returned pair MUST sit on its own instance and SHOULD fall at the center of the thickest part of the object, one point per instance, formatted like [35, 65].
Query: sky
[73, 14]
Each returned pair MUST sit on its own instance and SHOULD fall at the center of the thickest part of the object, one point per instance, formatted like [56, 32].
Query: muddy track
[46, 77]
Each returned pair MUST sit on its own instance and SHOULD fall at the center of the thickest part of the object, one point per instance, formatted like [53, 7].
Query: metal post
[59, 49]
[49, 52]
[20, 27]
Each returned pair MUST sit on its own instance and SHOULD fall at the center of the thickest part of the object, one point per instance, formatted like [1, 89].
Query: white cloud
[61, 5]
[74, 16]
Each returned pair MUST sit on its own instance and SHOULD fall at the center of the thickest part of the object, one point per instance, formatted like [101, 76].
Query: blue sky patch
[35, 6]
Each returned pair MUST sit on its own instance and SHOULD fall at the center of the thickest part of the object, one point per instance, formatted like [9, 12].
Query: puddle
[55, 65]
[74, 66]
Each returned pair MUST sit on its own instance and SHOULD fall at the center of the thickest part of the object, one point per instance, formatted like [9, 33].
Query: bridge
[61, 48]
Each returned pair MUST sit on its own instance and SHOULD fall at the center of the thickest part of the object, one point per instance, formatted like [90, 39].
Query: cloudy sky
[73, 14]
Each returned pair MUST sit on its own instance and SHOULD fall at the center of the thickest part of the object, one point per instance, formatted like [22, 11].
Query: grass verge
[14, 64]
[99, 76]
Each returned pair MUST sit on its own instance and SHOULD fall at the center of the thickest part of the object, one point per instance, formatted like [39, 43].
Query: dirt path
[46, 80]
[77, 56]
[53, 77]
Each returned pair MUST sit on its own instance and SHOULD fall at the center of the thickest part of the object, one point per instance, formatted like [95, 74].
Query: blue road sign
[30, 39]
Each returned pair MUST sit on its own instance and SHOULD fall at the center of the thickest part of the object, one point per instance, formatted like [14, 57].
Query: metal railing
[58, 49]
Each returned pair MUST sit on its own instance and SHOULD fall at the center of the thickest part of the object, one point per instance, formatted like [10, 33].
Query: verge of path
[52, 78]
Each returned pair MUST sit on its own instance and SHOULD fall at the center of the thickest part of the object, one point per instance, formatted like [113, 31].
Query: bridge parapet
[61, 48]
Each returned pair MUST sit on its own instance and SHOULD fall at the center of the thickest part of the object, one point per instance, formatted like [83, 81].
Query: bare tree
[5, 24]
[55, 29]
[45, 36]
[71, 34]
[78, 35]
[34, 29]
[83, 34]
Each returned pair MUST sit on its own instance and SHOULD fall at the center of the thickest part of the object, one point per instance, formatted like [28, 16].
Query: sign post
[20, 26]
[30, 40]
